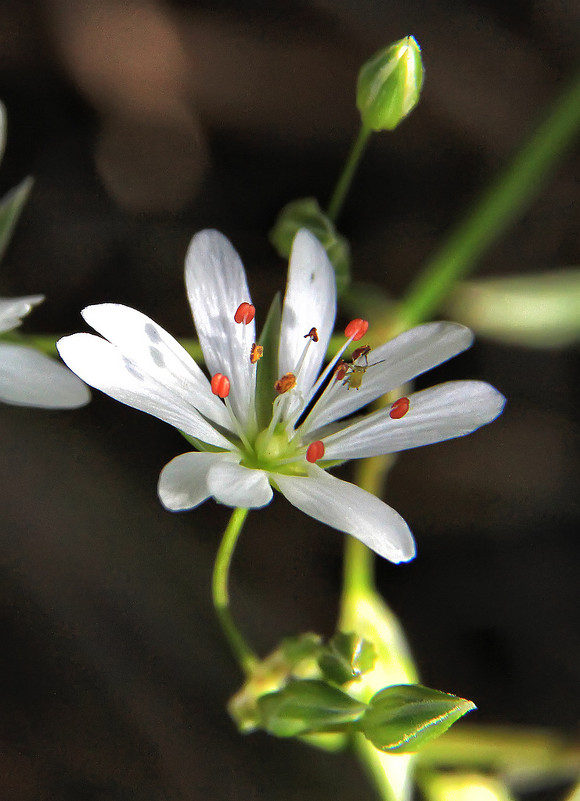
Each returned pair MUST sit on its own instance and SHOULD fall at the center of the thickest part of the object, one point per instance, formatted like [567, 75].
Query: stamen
[245, 313]
[399, 408]
[356, 329]
[285, 383]
[315, 451]
[341, 370]
[256, 353]
[220, 385]
[360, 352]
[313, 334]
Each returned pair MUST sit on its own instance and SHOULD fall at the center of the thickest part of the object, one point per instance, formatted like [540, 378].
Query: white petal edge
[29, 378]
[393, 364]
[349, 508]
[216, 285]
[436, 414]
[310, 302]
[154, 352]
[234, 485]
[12, 310]
[104, 367]
[183, 481]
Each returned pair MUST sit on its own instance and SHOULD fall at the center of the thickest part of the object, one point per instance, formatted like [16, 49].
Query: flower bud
[389, 84]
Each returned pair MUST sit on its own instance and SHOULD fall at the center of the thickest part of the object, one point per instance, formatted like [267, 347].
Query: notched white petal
[216, 286]
[29, 378]
[349, 508]
[183, 481]
[155, 353]
[234, 485]
[310, 302]
[410, 354]
[442, 412]
[104, 367]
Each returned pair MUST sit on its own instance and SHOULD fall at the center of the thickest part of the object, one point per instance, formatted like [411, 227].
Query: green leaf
[10, 207]
[306, 213]
[308, 706]
[346, 658]
[267, 366]
[404, 717]
[539, 311]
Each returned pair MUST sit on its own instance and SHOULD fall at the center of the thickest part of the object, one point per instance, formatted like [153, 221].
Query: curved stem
[220, 593]
[345, 180]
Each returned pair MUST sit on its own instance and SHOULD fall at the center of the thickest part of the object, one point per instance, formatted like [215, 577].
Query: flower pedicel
[241, 454]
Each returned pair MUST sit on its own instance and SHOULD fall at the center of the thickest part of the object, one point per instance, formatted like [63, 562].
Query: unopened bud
[389, 84]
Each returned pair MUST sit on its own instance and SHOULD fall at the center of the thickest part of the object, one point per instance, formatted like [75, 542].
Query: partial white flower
[29, 378]
[309, 426]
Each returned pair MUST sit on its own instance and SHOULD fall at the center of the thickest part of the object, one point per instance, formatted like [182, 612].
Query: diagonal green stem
[345, 180]
[220, 593]
[504, 201]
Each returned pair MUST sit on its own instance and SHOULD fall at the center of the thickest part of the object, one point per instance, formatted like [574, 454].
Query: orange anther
[256, 352]
[364, 351]
[245, 313]
[315, 451]
[341, 370]
[285, 383]
[356, 329]
[220, 385]
[312, 334]
[399, 408]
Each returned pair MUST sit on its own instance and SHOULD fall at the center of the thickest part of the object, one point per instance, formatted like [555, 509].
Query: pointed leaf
[267, 366]
[308, 706]
[347, 657]
[404, 717]
[10, 207]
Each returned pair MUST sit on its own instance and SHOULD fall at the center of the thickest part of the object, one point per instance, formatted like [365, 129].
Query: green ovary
[272, 450]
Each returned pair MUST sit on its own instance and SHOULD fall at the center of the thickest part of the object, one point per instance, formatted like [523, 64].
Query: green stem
[345, 180]
[500, 205]
[220, 594]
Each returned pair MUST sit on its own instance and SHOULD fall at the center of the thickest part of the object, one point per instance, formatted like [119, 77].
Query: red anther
[282, 385]
[312, 334]
[315, 451]
[256, 353]
[364, 351]
[245, 313]
[220, 385]
[356, 329]
[341, 370]
[399, 408]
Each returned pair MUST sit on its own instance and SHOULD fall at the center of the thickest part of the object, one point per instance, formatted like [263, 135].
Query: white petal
[104, 367]
[29, 378]
[12, 310]
[157, 354]
[310, 302]
[216, 285]
[183, 482]
[234, 485]
[350, 509]
[403, 358]
[442, 412]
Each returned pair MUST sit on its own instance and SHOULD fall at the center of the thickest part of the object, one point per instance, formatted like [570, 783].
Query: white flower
[29, 378]
[242, 453]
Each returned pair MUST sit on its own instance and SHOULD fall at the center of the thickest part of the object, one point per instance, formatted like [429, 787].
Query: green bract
[389, 85]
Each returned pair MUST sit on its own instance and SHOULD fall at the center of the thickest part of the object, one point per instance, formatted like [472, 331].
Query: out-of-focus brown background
[143, 122]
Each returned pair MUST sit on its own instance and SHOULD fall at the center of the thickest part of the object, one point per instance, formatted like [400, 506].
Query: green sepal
[10, 207]
[346, 657]
[306, 213]
[199, 445]
[267, 366]
[308, 706]
[389, 85]
[404, 717]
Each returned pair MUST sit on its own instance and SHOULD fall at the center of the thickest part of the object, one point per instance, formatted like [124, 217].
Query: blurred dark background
[143, 122]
